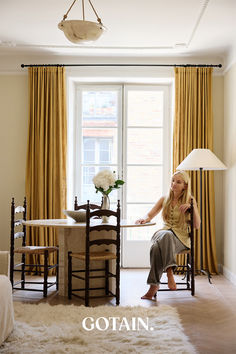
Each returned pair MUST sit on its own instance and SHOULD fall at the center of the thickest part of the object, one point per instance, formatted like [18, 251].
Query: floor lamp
[201, 159]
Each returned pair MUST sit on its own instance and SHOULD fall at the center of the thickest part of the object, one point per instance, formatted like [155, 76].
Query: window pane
[144, 184]
[88, 189]
[100, 135]
[144, 145]
[145, 108]
[89, 150]
[137, 211]
[99, 108]
[105, 151]
[88, 175]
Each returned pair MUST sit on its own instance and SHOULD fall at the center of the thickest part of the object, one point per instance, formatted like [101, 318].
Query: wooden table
[71, 237]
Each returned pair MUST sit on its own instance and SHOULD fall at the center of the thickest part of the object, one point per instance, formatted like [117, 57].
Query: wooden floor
[209, 318]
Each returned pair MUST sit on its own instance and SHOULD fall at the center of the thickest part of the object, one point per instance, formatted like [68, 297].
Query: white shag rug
[59, 329]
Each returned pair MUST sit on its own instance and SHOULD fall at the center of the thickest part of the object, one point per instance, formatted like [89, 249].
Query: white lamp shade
[201, 158]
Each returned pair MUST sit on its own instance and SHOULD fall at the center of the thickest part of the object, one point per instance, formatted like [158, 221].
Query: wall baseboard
[220, 268]
[229, 275]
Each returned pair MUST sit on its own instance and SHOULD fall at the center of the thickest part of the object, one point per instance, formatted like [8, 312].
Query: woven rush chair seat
[95, 256]
[88, 270]
[35, 249]
[23, 268]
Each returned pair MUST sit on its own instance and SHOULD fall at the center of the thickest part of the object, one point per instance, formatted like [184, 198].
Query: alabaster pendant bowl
[77, 215]
[80, 31]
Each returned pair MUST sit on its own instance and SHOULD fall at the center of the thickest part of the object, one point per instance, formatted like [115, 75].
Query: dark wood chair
[18, 234]
[106, 256]
[188, 268]
[84, 206]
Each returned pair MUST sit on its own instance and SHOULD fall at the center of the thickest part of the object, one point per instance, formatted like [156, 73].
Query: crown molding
[230, 59]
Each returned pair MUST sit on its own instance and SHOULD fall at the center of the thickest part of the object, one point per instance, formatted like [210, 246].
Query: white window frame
[75, 134]
[77, 143]
[130, 248]
[167, 129]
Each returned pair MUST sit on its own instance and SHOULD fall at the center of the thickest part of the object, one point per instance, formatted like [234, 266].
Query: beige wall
[230, 174]
[13, 141]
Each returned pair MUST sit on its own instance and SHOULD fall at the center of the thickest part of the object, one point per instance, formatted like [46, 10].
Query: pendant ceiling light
[81, 31]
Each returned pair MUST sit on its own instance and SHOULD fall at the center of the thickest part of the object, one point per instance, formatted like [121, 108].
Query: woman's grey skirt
[163, 254]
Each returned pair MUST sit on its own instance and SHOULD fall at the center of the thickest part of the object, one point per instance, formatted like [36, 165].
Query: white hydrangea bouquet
[105, 181]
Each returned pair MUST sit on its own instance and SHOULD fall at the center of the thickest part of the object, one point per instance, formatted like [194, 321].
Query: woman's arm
[153, 212]
[196, 216]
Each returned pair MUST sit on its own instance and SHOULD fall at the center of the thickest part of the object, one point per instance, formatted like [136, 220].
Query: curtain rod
[154, 65]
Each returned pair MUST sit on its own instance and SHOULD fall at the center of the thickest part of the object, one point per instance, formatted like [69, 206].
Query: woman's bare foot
[151, 292]
[171, 279]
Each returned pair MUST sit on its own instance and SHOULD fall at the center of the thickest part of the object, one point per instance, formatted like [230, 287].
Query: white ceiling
[134, 27]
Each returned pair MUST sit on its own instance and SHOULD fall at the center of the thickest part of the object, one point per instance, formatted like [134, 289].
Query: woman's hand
[142, 221]
[184, 207]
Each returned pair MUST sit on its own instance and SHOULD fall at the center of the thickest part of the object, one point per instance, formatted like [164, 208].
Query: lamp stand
[208, 161]
[206, 272]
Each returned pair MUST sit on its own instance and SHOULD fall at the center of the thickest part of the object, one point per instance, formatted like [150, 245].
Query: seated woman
[173, 237]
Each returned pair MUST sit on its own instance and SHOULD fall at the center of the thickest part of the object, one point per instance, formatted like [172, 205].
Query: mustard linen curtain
[46, 153]
[193, 128]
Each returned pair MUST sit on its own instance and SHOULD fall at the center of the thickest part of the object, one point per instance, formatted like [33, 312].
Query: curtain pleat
[46, 153]
[193, 128]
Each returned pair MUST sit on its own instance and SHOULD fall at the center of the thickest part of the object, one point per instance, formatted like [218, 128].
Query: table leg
[63, 235]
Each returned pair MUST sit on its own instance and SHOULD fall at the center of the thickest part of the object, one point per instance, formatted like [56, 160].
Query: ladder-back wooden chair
[84, 206]
[188, 269]
[18, 232]
[106, 256]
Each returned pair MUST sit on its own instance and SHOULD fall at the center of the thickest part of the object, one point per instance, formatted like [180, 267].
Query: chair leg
[23, 271]
[106, 277]
[117, 281]
[188, 271]
[45, 283]
[57, 271]
[12, 269]
[87, 284]
[69, 275]
[192, 277]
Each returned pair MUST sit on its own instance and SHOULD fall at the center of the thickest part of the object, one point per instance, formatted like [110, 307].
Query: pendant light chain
[83, 9]
[65, 16]
[96, 14]
[98, 18]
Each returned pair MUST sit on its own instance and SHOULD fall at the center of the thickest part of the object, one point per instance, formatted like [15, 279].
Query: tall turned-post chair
[188, 269]
[18, 235]
[105, 256]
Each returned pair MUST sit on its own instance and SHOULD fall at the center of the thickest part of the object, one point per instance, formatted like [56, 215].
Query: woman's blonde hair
[184, 197]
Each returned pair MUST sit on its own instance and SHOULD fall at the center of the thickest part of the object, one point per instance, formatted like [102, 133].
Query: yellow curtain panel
[46, 152]
[193, 128]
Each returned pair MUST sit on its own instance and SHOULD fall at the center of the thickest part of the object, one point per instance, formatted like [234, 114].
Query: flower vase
[105, 205]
